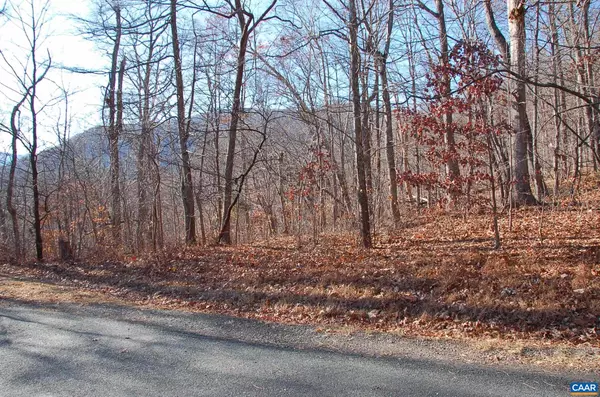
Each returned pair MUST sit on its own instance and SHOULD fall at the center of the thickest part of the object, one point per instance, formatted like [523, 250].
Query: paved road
[98, 351]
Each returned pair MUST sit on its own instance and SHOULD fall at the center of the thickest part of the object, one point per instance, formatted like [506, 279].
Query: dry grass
[36, 292]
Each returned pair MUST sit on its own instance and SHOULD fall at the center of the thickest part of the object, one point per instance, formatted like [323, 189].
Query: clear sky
[67, 48]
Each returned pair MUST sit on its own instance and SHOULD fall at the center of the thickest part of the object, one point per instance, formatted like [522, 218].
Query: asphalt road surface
[63, 350]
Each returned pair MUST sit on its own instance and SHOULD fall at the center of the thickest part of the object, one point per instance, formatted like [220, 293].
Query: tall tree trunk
[540, 185]
[451, 163]
[389, 141]
[187, 189]
[199, 187]
[36, 77]
[593, 90]
[282, 199]
[585, 75]
[378, 118]
[157, 218]
[225, 235]
[556, 69]
[113, 132]
[217, 123]
[145, 228]
[114, 149]
[363, 199]
[37, 223]
[389, 119]
[366, 132]
[452, 169]
[247, 24]
[143, 232]
[514, 57]
[516, 24]
[11, 180]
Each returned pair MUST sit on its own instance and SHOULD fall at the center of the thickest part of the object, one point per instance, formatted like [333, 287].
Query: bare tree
[150, 49]
[363, 199]
[389, 118]
[113, 101]
[35, 68]
[247, 25]
[187, 188]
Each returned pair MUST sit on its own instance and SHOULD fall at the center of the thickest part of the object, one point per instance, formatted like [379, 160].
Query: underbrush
[439, 278]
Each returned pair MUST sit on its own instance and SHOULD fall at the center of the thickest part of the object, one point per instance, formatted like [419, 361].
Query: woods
[232, 122]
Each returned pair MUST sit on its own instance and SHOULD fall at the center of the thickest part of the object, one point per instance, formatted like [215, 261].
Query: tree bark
[247, 25]
[389, 119]
[389, 142]
[516, 24]
[113, 132]
[452, 169]
[187, 189]
[556, 69]
[541, 188]
[363, 199]
[514, 57]
[495, 31]
[225, 234]
[584, 72]
[11, 180]
[37, 76]
[37, 223]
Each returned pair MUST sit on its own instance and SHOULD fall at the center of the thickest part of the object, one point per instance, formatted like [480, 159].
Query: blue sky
[67, 48]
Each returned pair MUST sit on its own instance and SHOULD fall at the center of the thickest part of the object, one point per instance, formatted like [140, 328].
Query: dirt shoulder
[528, 355]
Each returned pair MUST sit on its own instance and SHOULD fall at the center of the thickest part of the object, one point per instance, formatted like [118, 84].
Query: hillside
[437, 277]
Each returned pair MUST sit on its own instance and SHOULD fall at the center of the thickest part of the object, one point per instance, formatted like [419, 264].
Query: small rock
[508, 292]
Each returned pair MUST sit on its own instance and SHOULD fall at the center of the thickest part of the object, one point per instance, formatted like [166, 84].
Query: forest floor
[536, 299]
